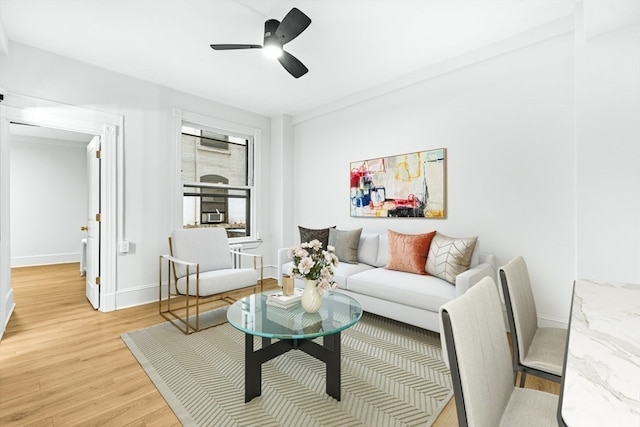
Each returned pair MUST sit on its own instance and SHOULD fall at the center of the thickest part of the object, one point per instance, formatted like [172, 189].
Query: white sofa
[410, 298]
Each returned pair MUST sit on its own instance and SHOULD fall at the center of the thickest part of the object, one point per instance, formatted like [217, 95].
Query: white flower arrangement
[313, 263]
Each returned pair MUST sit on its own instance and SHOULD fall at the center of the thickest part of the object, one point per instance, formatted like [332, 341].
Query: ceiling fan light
[272, 51]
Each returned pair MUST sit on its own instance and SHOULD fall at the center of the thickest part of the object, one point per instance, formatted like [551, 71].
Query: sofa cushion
[424, 292]
[343, 271]
[449, 256]
[368, 248]
[218, 281]
[345, 243]
[340, 273]
[408, 252]
[383, 250]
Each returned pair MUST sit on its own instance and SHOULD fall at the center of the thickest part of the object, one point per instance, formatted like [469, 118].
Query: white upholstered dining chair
[478, 356]
[537, 351]
[202, 267]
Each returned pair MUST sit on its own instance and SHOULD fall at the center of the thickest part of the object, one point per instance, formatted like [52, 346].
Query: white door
[93, 223]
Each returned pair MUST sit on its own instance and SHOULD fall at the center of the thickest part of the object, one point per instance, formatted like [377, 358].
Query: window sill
[246, 242]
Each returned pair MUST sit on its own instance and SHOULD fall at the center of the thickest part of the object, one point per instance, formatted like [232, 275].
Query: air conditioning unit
[212, 217]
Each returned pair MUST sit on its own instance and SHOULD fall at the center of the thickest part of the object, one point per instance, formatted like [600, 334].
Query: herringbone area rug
[392, 375]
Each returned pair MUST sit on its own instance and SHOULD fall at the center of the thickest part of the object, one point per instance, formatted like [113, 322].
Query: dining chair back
[478, 356]
[537, 350]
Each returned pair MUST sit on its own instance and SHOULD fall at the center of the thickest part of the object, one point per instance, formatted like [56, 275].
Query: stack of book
[281, 300]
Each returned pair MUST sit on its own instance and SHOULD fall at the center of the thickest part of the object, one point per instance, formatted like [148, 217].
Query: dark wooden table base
[328, 352]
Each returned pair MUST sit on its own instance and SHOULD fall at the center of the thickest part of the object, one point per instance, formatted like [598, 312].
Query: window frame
[253, 134]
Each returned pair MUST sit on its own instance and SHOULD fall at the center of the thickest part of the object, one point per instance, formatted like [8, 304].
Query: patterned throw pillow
[408, 252]
[449, 256]
[346, 244]
[309, 234]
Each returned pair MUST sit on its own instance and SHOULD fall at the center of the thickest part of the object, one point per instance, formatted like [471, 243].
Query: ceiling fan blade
[235, 46]
[292, 65]
[292, 25]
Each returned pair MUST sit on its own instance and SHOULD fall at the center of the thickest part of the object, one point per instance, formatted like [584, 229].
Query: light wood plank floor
[63, 363]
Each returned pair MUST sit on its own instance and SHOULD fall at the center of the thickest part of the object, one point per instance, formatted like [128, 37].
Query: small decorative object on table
[315, 266]
[279, 299]
[287, 285]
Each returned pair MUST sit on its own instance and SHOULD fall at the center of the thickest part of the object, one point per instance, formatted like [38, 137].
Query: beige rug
[392, 375]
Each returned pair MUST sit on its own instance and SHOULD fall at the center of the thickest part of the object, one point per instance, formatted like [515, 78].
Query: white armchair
[202, 267]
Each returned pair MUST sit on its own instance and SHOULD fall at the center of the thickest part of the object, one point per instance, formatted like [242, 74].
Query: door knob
[84, 228]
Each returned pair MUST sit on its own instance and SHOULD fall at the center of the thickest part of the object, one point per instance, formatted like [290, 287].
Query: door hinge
[98, 280]
[98, 154]
[98, 217]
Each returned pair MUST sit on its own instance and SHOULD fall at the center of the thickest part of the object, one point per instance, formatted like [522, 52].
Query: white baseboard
[9, 309]
[139, 295]
[33, 260]
[547, 322]
[270, 272]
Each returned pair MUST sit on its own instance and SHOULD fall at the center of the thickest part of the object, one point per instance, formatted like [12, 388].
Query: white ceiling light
[272, 50]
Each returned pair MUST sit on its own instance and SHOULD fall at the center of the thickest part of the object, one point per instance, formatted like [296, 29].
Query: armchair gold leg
[170, 314]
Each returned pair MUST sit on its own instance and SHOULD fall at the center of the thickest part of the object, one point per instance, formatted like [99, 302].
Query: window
[217, 179]
[207, 139]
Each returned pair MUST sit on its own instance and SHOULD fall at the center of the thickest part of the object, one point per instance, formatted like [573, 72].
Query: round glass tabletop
[254, 316]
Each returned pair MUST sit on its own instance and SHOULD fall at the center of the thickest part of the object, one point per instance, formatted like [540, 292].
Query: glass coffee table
[294, 329]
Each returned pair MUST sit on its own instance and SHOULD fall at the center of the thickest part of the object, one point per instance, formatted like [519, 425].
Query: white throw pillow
[449, 256]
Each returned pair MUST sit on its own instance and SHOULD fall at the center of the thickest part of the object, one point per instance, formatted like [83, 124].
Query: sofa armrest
[464, 281]
[485, 258]
[282, 259]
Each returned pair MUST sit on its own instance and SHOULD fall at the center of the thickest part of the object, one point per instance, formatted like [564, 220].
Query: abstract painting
[407, 185]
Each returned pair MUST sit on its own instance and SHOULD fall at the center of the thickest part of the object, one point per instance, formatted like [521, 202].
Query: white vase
[311, 296]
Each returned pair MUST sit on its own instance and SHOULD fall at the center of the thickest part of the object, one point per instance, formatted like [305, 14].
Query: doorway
[51, 189]
[32, 111]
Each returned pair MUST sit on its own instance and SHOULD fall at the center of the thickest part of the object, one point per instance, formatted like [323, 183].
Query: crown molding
[544, 32]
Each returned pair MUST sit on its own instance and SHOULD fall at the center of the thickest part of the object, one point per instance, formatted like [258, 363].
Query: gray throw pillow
[346, 243]
[309, 234]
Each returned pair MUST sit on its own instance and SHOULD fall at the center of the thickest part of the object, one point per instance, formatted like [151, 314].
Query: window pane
[214, 166]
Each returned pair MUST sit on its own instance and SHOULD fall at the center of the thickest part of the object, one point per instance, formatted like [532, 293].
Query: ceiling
[351, 46]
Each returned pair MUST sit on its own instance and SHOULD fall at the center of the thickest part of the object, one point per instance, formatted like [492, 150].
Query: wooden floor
[64, 364]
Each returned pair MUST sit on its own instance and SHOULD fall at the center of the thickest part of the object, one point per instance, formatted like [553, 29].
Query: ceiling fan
[276, 35]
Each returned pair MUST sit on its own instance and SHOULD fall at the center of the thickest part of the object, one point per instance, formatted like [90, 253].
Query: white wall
[48, 200]
[507, 126]
[608, 156]
[149, 148]
[532, 164]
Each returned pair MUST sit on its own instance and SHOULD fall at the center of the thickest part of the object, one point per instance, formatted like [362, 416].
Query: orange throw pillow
[408, 252]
